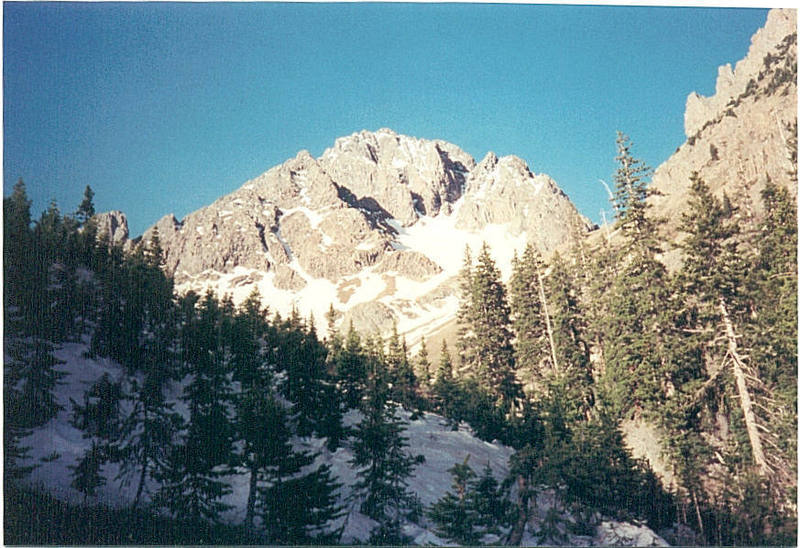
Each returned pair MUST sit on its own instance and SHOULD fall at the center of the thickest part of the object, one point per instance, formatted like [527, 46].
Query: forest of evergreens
[550, 364]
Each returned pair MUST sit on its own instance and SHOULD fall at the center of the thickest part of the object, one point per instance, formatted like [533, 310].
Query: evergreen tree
[454, 514]
[473, 508]
[86, 208]
[379, 455]
[32, 377]
[574, 382]
[635, 321]
[725, 329]
[86, 476]
[351, 370]
[294, 507]
[444, 387]
[307, 383]
[485, 339]
[194, 481]
[404, 385]
[424, 365]
[534, 357]
[491, 506]
[631, 191]
[17, 249]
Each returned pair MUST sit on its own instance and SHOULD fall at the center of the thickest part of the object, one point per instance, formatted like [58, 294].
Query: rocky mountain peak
[406, 177]
[377, 215]
[504, 190]
[731, 82]
[737, 138]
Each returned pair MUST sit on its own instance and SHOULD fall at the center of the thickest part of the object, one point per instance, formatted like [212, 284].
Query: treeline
[550, 364]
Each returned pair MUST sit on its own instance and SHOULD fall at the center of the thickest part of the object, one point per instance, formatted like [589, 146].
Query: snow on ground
[429, 436]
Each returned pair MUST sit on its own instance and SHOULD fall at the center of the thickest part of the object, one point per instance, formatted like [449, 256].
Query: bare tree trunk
[251, 499]
[515, 538]
[547, 324]
[140, 488]
[699, 517]
[744, 394]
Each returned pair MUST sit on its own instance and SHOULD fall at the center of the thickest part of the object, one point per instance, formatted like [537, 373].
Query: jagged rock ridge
[737, 138]
[347, 228]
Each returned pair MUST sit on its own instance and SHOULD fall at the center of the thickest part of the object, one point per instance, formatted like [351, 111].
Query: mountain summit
[377, 226]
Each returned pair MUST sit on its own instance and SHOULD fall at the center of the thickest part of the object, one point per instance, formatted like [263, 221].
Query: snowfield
[57, 445]
[413, 317]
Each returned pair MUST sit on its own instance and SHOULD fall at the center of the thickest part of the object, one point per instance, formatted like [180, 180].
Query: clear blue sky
[164, 107]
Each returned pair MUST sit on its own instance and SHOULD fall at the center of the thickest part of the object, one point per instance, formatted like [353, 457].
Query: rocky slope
[376, 226]
[738, 138]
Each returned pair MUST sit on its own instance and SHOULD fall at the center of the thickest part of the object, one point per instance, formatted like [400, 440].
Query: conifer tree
[491, 506]
[17, 249]
[86, 208]
[86, 474]
[485, 339]
[380, 456]
[575, 380]
[424, 365]
[454, 514]
[726, 328]
[194, 482]
[534, 355]
[444, 387]
[633, 325]
[405, 388]
[293, 507]
[351, 370]
[473, 508]
[631, 191]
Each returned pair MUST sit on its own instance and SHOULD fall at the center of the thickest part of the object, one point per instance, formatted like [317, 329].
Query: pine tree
[86, 208]
[535, 356]
[491, 506]
[405, 388]
[350, 369]
[17, 249]
[574, 379]
[725, 328]
[444, 387]
[294, 507]
[423, 365]
[379, 455]
[633, 324]
[455, 515]
[32, 375]
[473, 508]
[86, 476]
[485, 339]
[631, 191]
[194, 481]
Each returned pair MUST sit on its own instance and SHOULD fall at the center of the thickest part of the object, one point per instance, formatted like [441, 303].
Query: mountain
[376, 226]
[737, 138]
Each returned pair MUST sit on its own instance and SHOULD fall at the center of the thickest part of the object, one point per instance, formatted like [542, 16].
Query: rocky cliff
[739, 137]
[376, 226]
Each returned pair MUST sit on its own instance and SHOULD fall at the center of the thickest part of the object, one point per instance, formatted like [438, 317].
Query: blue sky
[162, 108]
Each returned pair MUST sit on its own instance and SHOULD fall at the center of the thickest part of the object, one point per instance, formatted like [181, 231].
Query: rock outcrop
[329, 217]
[731, 83]
[739, 137]
[505, 191]
[112, 227]
[329, 230]
[401, 176]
